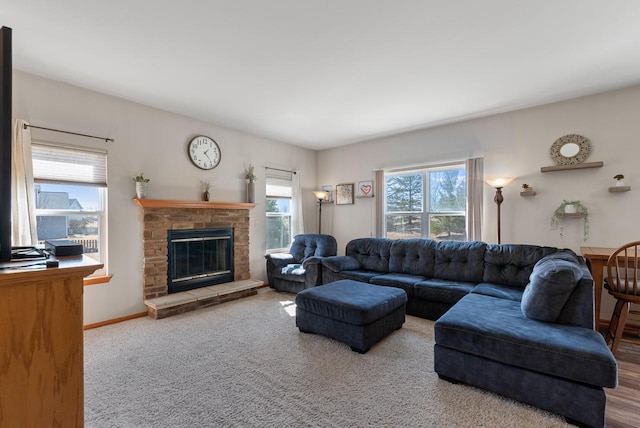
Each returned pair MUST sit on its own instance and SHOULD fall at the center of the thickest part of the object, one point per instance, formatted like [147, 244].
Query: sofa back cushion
[372, 253]
[553, 280]
[460, 261]
[312, 244]
[413, 256]
[512, 265]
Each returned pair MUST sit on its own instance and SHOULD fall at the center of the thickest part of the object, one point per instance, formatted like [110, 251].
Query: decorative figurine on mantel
[250, 178]
[206, 186]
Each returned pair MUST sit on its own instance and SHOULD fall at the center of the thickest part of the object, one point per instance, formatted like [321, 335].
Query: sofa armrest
[341, 263]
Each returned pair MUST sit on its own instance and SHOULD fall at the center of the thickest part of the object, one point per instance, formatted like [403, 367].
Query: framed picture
[329, 190]
[365, 189]
[344, 194]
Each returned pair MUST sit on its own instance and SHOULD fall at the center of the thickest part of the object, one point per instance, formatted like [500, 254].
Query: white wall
[515, 144]
[153, 141]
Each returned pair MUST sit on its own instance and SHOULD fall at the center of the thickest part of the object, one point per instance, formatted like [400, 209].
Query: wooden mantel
[168, 203]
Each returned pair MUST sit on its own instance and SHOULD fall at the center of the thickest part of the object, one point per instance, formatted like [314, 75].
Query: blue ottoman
[352, 312]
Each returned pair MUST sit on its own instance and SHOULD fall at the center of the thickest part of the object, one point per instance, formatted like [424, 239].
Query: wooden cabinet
[41, 344]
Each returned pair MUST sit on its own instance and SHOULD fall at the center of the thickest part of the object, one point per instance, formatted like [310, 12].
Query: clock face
[204, 152]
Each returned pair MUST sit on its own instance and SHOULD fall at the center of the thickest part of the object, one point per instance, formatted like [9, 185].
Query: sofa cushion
[351, 302]
[289, 276]
[460, 261]
[511, 265]
[500, 291]
[413, 256]
[441, 290]
[372, 253]
[552, 282]
[400, 280]
[497, 329]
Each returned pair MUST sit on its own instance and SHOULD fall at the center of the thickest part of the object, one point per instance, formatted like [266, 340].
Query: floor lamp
[498, 183]
[320, 195]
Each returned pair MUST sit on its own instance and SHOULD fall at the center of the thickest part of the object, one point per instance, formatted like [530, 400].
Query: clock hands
[205, 153]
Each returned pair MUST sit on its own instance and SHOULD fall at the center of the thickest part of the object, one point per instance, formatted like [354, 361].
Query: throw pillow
[550, 285]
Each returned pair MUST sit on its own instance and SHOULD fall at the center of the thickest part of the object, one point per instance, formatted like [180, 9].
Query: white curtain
[23, 232]
[475, 186]
[297, 220]
[378, 181]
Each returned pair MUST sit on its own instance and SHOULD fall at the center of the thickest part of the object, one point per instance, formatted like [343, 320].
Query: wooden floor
[623, 403]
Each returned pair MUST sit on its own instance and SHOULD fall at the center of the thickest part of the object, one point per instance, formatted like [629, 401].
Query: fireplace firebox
[199, 258]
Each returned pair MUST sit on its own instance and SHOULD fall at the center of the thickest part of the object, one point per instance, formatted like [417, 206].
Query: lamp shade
[320, 194]
[499, 181]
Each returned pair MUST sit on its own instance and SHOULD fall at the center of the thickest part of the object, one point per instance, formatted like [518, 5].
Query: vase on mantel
[141, 189]
[251, 191]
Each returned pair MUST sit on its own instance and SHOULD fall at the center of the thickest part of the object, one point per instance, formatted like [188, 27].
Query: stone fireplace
[161, 216]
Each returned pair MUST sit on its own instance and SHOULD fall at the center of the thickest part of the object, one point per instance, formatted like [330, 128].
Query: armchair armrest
[314, 260]
[279, 260]
[341, 263]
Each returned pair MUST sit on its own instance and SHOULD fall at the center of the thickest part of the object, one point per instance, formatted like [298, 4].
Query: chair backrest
[623, 269]
[312, 244]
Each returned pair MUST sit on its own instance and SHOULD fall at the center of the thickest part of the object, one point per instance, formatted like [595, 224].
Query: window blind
[67, 165]
[278, 188]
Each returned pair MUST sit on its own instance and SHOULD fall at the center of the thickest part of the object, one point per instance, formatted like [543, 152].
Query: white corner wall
[153, 141]
[515, 144]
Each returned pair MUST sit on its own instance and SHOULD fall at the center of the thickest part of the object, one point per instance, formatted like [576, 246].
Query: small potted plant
[619, 180]
[249, 175]
[572, 207]
[141, 185]
[206, 186]
[526, 188]
[250, 178]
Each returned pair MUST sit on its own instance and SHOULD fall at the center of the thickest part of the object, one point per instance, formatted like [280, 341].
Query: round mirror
[571, 149]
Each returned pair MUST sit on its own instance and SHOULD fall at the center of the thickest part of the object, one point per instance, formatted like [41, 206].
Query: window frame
[283, 183]
[99, 275]
[426, 212]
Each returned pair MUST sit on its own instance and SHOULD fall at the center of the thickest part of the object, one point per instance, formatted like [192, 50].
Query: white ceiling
[323, 73]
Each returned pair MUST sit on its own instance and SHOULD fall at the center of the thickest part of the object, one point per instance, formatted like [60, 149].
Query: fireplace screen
[199, 258]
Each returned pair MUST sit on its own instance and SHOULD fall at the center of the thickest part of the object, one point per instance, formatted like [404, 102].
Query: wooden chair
[622, 282]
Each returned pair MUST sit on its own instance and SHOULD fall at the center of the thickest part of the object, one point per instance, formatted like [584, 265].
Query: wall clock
[204, 152]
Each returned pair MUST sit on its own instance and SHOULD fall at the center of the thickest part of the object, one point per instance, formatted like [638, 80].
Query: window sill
[93, 280]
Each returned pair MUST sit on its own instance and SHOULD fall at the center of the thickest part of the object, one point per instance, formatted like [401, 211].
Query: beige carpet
[245, 364]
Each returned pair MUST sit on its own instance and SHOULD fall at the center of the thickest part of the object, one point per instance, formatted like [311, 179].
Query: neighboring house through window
[71, 194]
[428, 202]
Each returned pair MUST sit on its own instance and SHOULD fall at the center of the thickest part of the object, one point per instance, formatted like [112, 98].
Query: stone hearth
[161, 215]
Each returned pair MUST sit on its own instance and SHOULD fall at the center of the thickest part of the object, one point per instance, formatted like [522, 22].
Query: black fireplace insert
[199, 258]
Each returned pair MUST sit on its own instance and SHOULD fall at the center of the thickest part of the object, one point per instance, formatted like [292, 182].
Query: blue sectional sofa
[517, 320]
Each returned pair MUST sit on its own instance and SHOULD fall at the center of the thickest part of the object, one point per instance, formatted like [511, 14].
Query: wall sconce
[320, 195]
[498, 183]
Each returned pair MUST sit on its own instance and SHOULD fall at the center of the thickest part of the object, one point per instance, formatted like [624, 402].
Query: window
[278, 209]
[70, 193]
[426, 203]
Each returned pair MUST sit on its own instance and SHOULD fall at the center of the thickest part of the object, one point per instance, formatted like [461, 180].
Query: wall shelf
[571, 167]
[530, 193]
[618, 189]
[570, 215]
